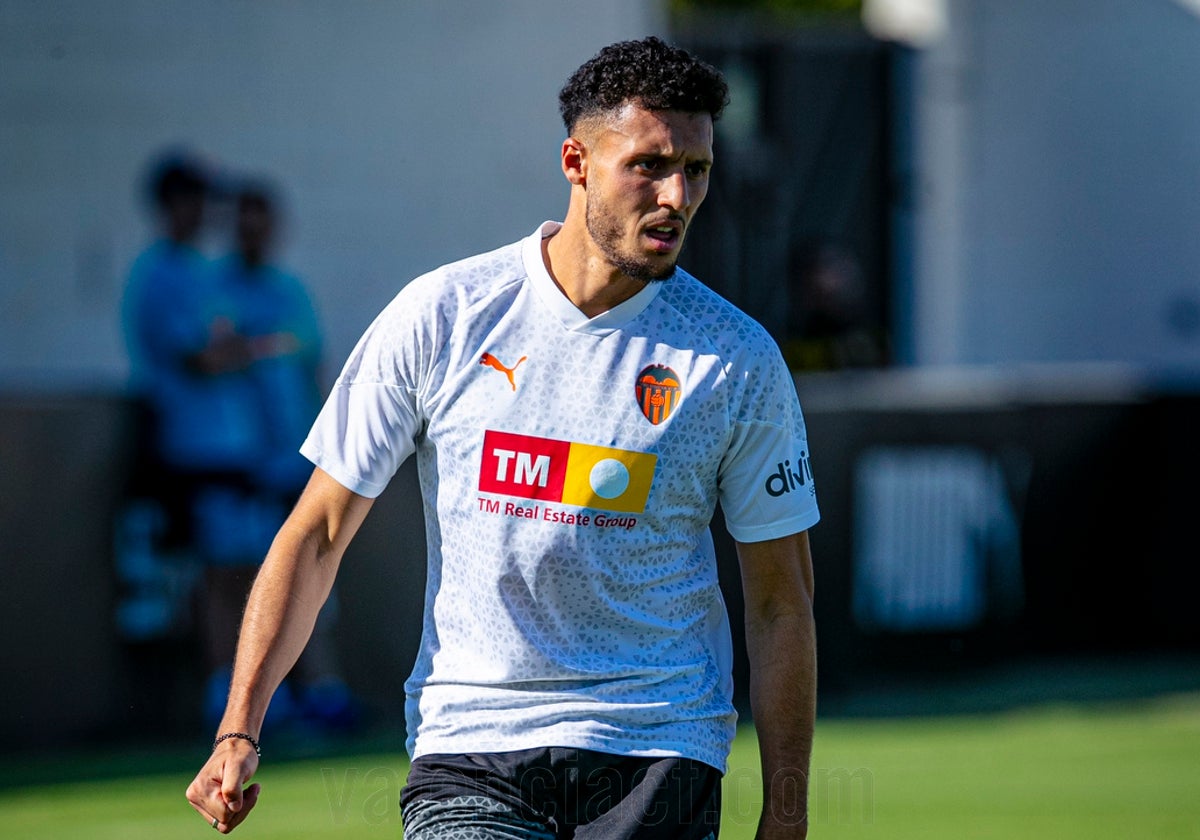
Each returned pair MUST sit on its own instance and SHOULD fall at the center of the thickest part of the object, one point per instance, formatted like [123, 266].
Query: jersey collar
[558, 303]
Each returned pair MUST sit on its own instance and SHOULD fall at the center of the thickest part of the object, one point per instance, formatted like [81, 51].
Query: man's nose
[673, 193]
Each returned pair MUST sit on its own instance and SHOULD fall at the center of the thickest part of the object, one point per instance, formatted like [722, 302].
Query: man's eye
[649, 165]
[697, 170]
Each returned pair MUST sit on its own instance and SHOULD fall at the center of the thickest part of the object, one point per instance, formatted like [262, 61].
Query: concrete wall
[1052, 197]
[403, 134]
[1056, 188]
[61, 464]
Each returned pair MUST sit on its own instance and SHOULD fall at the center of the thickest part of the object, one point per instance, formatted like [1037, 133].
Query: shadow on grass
[936, 687]
[126, 757]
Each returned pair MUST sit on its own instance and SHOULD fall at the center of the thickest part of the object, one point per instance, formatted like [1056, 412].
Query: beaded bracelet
[243, 736]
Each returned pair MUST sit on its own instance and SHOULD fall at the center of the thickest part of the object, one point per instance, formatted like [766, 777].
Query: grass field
[1128, 770]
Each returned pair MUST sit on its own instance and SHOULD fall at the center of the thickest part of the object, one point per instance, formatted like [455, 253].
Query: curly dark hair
[649, 73]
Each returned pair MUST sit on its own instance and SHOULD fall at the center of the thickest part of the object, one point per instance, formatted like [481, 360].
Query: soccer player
[577, 405]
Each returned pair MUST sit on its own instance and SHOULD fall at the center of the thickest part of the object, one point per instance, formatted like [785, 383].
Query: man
[161, 325]
[577, 406]
[262, 355]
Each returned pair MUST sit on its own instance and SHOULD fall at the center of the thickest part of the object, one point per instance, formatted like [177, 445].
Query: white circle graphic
[609, 478]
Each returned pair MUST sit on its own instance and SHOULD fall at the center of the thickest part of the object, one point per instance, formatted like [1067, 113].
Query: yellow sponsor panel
[608, 479]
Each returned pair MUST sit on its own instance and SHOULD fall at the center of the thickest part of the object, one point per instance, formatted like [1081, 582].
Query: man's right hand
[217, 791]
[287, 595]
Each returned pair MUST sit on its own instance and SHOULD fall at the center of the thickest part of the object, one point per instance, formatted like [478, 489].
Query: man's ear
[574, 161]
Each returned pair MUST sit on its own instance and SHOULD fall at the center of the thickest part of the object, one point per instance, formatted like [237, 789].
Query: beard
[602, 226]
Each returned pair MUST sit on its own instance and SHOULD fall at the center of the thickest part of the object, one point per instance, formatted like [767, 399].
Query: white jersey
[570, 468]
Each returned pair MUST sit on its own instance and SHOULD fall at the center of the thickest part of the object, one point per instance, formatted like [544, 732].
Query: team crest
[658, 392]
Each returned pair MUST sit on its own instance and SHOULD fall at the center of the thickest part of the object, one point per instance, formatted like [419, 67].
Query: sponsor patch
[787, 477]
[579, 474]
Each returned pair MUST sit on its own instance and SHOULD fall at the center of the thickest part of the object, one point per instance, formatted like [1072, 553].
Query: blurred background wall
[401, 133]
[1052, 201]
[974, 239]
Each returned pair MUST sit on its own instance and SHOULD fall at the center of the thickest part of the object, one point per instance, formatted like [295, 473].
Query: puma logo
[491, 361]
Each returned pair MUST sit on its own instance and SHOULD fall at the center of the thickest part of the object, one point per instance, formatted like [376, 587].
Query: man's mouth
[665, 236]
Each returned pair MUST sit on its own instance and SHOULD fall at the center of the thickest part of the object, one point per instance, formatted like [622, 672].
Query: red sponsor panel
[523, 466]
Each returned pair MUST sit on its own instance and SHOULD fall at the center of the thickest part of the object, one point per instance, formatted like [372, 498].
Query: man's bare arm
[777, 581]
[288, 593]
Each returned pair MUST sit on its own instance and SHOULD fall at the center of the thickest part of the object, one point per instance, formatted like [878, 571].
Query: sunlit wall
[402, 134]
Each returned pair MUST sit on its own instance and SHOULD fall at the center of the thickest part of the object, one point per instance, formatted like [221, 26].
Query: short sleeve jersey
[570, 467]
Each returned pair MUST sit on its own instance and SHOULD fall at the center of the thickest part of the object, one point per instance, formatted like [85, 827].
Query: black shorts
[557, 792]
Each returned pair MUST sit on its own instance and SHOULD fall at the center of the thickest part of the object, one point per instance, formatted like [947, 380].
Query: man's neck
[581, 273]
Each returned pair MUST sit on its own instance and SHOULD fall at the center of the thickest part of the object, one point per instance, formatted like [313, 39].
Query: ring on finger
[214, 822]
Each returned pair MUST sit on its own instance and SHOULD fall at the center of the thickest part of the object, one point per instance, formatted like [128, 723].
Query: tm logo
[525, 468]
[578, 474]
[785, 479]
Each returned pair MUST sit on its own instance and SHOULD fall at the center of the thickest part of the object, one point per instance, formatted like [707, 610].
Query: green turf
[1058, 772]
[1061, 772]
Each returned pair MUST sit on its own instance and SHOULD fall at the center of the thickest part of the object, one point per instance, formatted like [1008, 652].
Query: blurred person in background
[174, 413]
[264, 347]
[225, 357]
[160, 315]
